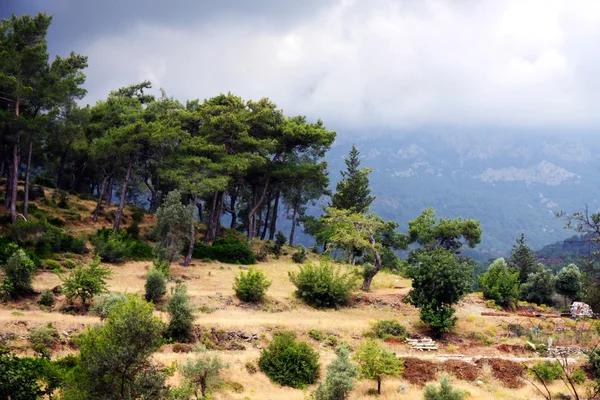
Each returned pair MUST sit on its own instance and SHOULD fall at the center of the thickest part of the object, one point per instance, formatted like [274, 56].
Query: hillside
[482, 356]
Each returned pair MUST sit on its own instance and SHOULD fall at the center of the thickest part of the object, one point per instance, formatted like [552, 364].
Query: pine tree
[352, 192]
[522, 259]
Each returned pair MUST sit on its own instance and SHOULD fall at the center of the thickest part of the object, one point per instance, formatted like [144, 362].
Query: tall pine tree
[522, 259]
[352, 192]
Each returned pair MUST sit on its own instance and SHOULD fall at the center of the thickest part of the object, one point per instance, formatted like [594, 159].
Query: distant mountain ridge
[512, 183]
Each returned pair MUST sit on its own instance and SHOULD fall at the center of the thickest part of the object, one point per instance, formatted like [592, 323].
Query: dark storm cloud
[353, 63]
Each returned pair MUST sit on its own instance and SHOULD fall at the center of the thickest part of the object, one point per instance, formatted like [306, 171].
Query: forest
[137, 177]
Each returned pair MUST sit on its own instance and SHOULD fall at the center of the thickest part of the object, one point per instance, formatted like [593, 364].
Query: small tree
[288, 362]
[445, 392]
[522, 259]
[173, 221]
[156, 285]
[352, 191]
[539, 287]
[568, 282]
[181, 322]
[251, 286]
[19, 269]
[84, 282]
[280, 241]
[500, 283]
[375, 363]
[203, 373]
[339, 380]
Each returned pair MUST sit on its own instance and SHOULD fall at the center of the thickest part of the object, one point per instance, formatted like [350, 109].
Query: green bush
[546, 371]
[7, 248]
[323, 285]
[289, 363]
[445, 392]
[227, 250]
[500, 283]
[104, 304]
[85, 282]
[19, 269]
[181, 322]
[578, 376]
[44, 337]
[47, 298]
[389, 328]
[115, 247]
[137, 214]
[51, 264]
[156, 285]
[133, 230]
[251, 286]
[139, 251]
[70, 264]
[316, 334]
[299, 257]
[55, 221]
[43, 180]
[45, 238]
[280, 241]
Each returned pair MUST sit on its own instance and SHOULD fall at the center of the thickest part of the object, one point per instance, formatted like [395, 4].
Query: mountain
[512, 183]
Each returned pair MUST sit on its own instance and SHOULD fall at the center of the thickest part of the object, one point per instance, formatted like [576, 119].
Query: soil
[508, 372]
[512, 348]
[419, 372]
[460, 369]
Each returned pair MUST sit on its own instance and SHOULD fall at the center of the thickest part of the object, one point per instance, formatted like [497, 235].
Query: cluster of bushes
[45, 239]
[115, 247]
[323, 285]
[227, 250]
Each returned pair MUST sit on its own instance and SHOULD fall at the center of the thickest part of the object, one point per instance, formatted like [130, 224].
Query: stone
[580, 309]
[243, 267]
[403, 389]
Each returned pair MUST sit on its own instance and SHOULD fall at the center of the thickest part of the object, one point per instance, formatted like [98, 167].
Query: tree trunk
[9, 175]
[211, 217]
[273, 227]
[369, 278]
[119, 213]
[109, 191]
[188, 257]
[220, 209]
[254, 210]
[266, 221]
[233, 224]
[379, 386]
[15, 174]
[294, 216]
[27, 176]
[101, 191]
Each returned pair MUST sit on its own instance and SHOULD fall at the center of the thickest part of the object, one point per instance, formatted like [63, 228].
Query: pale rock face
[545, 172]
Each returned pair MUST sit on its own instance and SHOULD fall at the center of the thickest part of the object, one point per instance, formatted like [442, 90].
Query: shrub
[47, 298]
[251, 367]
[137, 214]
[70, 264]
[133, 230]
[289, 363]
[440, 318]
[204, 373]
[539, 287]
[227, 250]
[111, 247]
[331, 341]
[316, 334]
[376, 363]
[104, 304]
[578, 376]
[19, 269]
[390, 328]
[445, 392]
[7, 248]
[546, 371]
[51, 264]
[44, 337]
[500, 283]
[280, 241]
[181, 315]
[139, 250]
[299, 257]
[251, 286]
[43, 180]
[339, 380]
[323, 285]
[156, 285]
[84, 282]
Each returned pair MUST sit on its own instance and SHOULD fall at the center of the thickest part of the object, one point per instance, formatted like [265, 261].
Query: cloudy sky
[356, 64]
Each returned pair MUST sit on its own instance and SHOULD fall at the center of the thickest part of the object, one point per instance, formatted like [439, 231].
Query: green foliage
[19, 270]
[500, 283]
[251, 286]
[539, 287]
[440, 318]
[568, 282]
[85, 282]
[522, 259]
[228, 250]
[299, 257]
[51, 265]
[280, 241]
[203, 374]
[45, 239]
[390, 328]
[116, 357]
[133, 230]
[156, 285]
[316, 335]
[323, 285]
[181, 322]
[26, 378]
[546, 371]
[115, 247]
[44, 338]
[289, 363]
[594, 360]
[352, 191]
[172, 227]
[376, 363]
[7, 248]
[339, 378]
[578, 376]
[47, 298]
[104, 304]
[445, 392]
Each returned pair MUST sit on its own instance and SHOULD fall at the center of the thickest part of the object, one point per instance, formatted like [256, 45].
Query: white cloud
[382, 63]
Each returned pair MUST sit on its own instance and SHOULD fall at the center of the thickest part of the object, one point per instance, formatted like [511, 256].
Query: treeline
[243, 159]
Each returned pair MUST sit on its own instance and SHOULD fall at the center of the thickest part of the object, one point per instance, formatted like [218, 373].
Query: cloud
[377, 64]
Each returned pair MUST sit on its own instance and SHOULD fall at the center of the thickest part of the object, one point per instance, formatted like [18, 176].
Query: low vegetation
[251, 286]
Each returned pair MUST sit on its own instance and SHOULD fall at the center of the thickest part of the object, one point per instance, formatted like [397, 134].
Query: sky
[355, 64]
